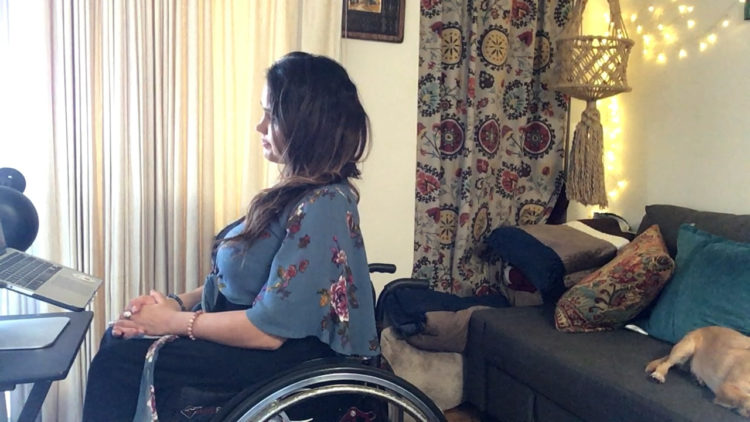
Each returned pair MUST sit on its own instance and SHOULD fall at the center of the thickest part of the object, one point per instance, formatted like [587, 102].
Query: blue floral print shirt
[306, 276]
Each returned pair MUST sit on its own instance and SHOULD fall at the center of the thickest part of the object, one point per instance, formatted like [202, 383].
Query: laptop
[44, 280]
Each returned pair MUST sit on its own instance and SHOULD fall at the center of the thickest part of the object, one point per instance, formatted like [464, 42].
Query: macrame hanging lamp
[592, 67]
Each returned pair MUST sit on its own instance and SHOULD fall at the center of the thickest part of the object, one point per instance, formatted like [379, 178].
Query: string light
[612, 158]
[665, 23]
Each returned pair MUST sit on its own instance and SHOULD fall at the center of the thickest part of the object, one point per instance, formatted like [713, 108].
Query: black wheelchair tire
[322, 377]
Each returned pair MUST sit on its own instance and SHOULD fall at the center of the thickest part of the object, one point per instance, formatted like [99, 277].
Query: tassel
[585, 179]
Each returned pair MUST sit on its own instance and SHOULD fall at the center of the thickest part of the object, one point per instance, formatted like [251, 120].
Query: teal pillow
[710, 286]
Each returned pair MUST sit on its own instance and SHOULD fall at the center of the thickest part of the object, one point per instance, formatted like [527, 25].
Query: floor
[463, 413]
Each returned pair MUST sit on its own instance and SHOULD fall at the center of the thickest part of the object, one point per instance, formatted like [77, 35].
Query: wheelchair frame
[341, 375]
[322, 377]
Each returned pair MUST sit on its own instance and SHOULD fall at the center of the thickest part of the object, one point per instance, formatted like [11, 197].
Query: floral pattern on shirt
[318, 283]
[354, 231]
[284, 276]
[340, 296]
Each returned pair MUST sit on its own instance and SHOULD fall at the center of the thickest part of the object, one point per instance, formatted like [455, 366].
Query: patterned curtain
[491, 131]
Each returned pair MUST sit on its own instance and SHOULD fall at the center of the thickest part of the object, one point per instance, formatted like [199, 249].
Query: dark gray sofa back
[670, 217]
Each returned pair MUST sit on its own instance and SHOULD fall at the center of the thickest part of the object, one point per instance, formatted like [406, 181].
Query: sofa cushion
[670, 217]
[711, 287]
[618, 291]
[593, 376]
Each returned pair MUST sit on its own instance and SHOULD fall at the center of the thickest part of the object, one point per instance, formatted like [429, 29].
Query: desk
[42, 366]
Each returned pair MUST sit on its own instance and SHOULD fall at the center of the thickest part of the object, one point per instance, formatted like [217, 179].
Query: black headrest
[20, 222]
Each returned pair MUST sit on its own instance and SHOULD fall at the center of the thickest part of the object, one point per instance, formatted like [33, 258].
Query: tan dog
[720, 360]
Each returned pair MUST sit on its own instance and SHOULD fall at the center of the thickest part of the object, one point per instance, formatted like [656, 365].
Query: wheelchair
[338, 389]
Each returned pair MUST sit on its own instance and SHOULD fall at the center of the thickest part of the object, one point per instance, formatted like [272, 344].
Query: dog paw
[655, 376]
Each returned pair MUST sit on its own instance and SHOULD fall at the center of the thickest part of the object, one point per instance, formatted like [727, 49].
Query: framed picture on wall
[376, 20]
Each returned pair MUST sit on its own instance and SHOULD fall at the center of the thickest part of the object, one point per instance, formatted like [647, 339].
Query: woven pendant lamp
[591, 67]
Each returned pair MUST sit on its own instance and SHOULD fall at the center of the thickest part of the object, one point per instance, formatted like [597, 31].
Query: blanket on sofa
[545, 254]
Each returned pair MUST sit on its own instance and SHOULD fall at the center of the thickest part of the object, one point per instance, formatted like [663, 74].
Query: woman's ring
[110, 323]
[127, 314]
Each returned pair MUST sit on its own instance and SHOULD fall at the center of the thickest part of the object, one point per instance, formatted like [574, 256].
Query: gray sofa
[520, 368]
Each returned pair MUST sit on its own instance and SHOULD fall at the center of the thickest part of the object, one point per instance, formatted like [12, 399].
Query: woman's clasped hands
[150, 314]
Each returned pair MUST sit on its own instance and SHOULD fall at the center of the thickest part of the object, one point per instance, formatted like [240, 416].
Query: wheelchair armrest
[414, 283]
[377, 267]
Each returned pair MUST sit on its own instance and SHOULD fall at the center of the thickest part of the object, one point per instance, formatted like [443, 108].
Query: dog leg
[731, 396]
[680, 353]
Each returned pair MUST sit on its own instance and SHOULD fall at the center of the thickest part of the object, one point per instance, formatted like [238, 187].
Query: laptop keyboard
[26, 271]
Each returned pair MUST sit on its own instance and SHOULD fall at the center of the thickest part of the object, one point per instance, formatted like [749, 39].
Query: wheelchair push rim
[305, 384]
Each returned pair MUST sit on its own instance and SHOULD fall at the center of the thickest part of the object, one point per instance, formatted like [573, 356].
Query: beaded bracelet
[195, 316]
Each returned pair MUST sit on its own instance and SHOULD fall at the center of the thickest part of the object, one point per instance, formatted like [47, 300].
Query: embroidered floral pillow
[618, 291]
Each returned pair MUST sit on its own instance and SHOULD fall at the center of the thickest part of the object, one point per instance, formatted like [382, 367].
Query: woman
[290, 280]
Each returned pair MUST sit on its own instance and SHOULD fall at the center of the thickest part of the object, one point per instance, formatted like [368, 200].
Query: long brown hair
[323, 128]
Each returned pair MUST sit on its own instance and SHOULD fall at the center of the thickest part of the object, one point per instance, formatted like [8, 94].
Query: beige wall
[685, 136]
[386, 76]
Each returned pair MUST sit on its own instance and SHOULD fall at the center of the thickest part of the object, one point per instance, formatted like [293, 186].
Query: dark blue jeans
[115, 373]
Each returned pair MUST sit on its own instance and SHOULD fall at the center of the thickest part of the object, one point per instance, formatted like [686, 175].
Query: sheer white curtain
[134, 122]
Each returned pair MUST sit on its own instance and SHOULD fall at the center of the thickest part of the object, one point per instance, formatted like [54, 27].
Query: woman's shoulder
[335, 194]
[326, 207]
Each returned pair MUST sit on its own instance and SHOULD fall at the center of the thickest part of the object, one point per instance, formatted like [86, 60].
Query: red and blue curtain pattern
[491, 131]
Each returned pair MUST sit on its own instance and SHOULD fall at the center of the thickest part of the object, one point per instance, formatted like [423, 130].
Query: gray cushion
[670, 217]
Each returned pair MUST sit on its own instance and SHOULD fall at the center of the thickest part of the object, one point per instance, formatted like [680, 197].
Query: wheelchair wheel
[317, 383]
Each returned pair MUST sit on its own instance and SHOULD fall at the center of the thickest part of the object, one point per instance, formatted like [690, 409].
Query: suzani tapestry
[491, 131]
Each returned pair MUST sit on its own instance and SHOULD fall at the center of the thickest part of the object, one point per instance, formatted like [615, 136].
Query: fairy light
[664, 35]
[612, 159]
